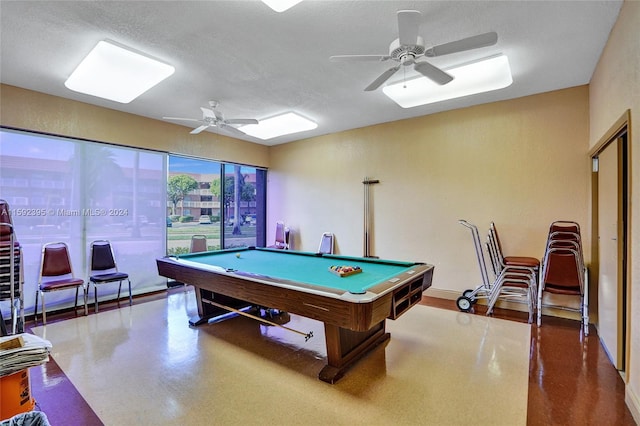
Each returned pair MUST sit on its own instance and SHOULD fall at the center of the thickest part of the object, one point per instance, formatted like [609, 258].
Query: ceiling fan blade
[241, 121]
[219, 115]
[180, 118]
[199, 129]
[433, 73]
[232, 129]
[475, 42]
[383, 77]
[358, 58]
[408, 26]
[207, 113]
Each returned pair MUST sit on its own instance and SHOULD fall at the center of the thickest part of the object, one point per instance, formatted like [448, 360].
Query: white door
[609, 327]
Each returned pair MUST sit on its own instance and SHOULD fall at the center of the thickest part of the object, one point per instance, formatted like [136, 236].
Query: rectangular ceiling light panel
[280, 125]
[480, 76]
[117, 73]
[281, 5]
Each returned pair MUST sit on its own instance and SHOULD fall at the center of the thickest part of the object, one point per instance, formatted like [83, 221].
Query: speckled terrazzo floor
[144, 365]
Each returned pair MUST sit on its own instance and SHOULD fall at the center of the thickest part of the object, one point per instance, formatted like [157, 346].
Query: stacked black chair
[522, 272]
[513, 282]
[11, 274]
[501, 261]
[563, 270]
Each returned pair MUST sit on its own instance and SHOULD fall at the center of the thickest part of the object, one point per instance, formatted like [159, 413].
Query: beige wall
[521, 163]
[614, 89]
[35, 111]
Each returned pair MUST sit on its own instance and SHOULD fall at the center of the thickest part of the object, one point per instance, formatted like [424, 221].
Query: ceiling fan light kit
[479, 76]
[409, 50]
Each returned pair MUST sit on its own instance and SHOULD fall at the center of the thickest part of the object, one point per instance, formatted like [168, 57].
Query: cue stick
[307, 336]
[367, 241]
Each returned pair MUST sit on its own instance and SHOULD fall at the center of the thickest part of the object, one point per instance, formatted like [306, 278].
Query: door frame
[621, 127]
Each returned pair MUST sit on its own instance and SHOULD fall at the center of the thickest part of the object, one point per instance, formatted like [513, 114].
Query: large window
[205, 197]
[73, 191]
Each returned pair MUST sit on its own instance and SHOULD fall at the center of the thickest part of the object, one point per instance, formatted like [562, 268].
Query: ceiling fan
[409, 47]
[212, 117]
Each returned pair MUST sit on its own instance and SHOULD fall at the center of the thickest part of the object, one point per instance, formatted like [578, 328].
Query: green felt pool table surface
[303, 267]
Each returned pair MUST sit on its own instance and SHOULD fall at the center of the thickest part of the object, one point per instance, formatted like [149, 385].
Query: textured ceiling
[259, 63]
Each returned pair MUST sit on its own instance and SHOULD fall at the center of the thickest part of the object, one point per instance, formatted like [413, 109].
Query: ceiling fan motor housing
[406, 53]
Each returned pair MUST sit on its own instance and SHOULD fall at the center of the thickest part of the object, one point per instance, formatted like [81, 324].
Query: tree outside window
[244, 191]
[177, 188]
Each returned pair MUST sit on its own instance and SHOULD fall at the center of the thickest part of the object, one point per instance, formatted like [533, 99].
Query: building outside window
[200, 201]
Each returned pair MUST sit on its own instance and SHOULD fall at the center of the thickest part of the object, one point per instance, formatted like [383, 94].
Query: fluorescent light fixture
[279, 125]
[281, 5]
[117, 73]
[485, 75]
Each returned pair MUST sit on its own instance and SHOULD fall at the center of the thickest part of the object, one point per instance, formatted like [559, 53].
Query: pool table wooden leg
[344, 347]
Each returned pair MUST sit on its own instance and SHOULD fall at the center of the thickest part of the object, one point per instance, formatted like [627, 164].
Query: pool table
[353, 308]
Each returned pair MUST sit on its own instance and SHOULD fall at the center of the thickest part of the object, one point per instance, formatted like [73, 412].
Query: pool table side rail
[354, 316]
[327, 308]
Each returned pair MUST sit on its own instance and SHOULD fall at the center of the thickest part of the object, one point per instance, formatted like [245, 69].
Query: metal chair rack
[510, 282]
[469, 297]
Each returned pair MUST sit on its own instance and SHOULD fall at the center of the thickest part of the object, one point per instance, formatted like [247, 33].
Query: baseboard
[442, 294]
[633, 402]
[507, 304]
[453, 295]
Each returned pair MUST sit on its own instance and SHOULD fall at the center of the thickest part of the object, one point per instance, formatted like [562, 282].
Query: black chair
[103, 269]
[56, 274]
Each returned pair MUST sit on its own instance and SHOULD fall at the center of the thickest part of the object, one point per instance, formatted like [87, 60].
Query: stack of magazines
[33, 351]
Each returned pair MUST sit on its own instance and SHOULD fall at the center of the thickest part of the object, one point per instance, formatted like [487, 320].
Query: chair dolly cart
[483, 291]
